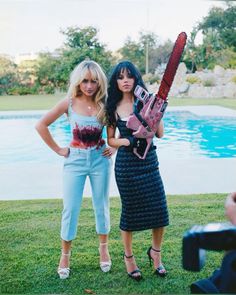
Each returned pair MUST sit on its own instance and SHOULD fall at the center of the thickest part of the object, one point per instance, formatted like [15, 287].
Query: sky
[32, 26]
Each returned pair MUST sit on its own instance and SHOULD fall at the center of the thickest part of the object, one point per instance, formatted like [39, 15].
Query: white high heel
[64, 272]
[104, 265]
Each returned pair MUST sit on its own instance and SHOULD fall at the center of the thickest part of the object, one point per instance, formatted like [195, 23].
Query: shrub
[22, 90]
[208, 82]
[48, 89]
[234, 79]
[151, 78]
[193, 80]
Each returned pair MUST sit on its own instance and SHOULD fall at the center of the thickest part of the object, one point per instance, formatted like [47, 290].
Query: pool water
[186, 136]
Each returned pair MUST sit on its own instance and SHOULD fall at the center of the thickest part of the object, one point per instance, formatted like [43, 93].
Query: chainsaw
[149, 108]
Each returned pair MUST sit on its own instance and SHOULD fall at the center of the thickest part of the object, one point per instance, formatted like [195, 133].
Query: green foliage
[22, 90]
[30, 231]
[234, 79]
[83, 38]
[81, 44]
[208, 82]
[46, 69]
[222, 23]
[159, 55]
[133, 52]
[193, 80]
[151, 78]
[147, 46]
[48, 89]
[8, 74]
[219, 40]
[226, 58]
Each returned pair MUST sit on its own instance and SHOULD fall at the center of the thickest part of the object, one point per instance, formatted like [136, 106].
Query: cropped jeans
[80, 164]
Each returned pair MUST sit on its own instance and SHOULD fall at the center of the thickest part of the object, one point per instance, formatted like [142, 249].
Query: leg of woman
[131, 266]
[155, 250]
[65, 254]
[99, 179]
[105, 259]
[73, 186]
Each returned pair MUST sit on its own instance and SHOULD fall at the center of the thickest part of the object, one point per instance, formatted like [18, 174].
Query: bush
[193, 80]
[151, 78]
[48, 89]
[234, 79]
[22, 90]
[209, 82]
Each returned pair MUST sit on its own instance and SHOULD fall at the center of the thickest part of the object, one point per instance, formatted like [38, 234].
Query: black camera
[217, 237]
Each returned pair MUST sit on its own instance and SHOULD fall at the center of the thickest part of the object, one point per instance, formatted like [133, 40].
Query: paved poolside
[180, 176]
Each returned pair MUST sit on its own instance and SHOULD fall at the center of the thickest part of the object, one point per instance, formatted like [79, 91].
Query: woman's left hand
[109, 151]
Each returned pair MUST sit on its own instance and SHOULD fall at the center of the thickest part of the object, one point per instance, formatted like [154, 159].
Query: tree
[81, 43]
[8, 74]
[219, 40]
[221, 24]
[137, 52]
[133, 52]
[160, 55]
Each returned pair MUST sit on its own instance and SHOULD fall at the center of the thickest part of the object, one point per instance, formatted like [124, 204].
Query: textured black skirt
[141, 190]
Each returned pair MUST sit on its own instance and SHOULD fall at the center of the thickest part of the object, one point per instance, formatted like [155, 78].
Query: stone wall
[217, 83]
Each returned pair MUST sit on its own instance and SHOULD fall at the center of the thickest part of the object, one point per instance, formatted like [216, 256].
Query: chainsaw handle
[142, 157]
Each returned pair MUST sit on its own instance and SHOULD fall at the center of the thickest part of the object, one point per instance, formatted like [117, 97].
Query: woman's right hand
[230, 207]
[64, 152]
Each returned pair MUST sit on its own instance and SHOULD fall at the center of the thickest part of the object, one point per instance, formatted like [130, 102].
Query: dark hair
[114, 94]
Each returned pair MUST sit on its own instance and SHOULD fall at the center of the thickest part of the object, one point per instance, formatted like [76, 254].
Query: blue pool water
[186, 136]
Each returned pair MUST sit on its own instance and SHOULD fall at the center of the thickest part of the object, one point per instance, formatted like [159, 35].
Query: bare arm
[48, 119]
[230, 207]
[113, 141]
[160, 130]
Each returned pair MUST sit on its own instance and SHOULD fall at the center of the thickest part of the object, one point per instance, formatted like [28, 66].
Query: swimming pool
[186, 136]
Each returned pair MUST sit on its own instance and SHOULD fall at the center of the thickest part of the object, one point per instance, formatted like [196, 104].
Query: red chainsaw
[150, 108]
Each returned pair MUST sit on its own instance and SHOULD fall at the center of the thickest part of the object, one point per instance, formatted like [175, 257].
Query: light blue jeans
[80, 164]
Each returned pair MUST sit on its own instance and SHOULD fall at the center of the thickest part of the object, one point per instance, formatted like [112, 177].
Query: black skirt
[141, 190]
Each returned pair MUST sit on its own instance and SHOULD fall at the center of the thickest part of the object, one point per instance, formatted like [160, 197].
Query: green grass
[30, 249]
[224, 102]
[28, 102]
[44, 102]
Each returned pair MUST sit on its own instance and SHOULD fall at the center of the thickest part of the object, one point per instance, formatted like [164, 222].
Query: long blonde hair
[78, 75]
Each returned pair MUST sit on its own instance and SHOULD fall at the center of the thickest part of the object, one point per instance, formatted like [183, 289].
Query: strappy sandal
[132, 274]
[160, 270]
[64, 272]
[104, 265]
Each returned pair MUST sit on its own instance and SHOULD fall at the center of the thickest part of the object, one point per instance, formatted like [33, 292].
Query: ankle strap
[128, 256]
[156, 250]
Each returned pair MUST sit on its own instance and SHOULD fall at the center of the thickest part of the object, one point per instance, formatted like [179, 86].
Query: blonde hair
[78, 75]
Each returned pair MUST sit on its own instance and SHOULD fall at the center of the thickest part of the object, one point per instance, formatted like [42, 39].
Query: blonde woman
[87, 155]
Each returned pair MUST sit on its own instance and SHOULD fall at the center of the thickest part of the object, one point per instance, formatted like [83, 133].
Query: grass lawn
[44, 102]
[224, 102]
[28, 102]
[30, 249]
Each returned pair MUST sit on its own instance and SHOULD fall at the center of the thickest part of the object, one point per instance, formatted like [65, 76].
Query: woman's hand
[64, 152]
[230, 207]
[109, 151]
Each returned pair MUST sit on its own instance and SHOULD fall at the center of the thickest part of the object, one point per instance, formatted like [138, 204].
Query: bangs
[89, 71]
[126, 66]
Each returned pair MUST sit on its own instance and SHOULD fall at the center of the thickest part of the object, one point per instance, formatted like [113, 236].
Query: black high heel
[160, 270]
[132, 273]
